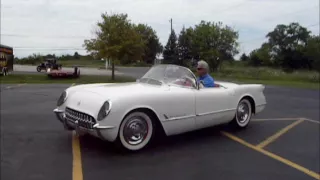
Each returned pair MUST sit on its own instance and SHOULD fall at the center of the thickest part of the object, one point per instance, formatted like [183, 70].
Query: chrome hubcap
[135, 130]
[243, 112]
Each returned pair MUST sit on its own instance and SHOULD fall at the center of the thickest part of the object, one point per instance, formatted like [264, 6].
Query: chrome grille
[84, 120]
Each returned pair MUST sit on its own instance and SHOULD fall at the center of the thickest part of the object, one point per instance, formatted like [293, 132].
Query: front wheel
[38, 68]
[135, 131]
[243, 114]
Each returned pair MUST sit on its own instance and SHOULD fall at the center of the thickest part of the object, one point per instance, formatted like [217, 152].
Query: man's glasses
[199, 69]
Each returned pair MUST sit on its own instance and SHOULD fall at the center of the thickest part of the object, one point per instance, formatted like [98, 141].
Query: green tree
[254, 59]
[185, 46]
[260, 56]
[116, 37]
[170, 52]
[215, 43]
[285, 41]
[312, 52]
[76, 55]
[244, 57]
[153, 46]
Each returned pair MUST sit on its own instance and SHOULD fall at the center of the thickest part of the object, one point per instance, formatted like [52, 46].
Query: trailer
[6, 59]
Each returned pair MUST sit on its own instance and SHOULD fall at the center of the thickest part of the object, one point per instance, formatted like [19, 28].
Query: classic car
[49, 64]
[167, 99]
[60, 73]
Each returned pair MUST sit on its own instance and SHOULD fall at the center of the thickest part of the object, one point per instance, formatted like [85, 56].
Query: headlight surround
[62, 98]
[104, 110]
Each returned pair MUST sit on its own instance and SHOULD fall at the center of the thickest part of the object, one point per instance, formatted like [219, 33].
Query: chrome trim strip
[180, 117]
[214, 112]
[97, 126]
[202, 114]
[58, 110]
[261, 104]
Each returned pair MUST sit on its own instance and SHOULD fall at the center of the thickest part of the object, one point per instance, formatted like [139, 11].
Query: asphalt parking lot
[281, 143]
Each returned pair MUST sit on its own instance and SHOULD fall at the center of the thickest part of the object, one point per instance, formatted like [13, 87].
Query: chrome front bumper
[69, 125]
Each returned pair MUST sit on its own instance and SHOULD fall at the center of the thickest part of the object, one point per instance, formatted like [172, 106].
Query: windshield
[169, 74]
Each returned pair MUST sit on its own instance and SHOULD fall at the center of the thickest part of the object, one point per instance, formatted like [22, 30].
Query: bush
[264, 73]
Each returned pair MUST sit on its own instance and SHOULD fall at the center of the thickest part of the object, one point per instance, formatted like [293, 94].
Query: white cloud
[64, 24]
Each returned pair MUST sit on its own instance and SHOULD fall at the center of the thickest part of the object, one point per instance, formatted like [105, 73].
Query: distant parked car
[49, 63]
[59, 73]
[167, 99]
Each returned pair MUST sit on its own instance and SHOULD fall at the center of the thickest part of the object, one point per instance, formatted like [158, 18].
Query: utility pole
[171, 24]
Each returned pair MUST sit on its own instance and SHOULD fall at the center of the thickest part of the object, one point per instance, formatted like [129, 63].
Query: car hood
[114, 90]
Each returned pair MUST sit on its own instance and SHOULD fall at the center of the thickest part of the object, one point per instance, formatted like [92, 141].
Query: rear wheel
[243, 114]
[136, 131]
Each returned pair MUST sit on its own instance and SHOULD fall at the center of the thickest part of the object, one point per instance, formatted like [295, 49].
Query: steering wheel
[188, 81]
[201, 84]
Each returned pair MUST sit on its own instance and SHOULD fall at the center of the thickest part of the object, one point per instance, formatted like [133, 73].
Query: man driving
[202, 71]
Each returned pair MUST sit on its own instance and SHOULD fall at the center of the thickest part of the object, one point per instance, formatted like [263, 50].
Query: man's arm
[207, 82]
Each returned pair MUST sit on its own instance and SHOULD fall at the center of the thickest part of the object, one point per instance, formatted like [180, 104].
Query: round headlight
[62, 98]
[104, 111]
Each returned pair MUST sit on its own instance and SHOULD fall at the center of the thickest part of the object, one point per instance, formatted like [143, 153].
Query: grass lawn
[43, 79]
[294, 84]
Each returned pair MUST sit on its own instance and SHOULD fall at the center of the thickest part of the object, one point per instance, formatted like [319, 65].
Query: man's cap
[203, 64]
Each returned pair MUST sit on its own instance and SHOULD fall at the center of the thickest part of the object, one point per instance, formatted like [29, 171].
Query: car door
[179, 111]
[212, 106]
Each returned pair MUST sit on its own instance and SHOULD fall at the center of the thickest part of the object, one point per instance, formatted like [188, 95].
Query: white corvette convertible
[167, 98]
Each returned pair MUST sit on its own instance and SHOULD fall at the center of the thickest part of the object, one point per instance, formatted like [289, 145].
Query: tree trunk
[112, 62]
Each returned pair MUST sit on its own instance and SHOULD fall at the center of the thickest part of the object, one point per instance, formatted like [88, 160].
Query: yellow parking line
[274, 156]
[278, 134]
[277, 119]
[77, 162]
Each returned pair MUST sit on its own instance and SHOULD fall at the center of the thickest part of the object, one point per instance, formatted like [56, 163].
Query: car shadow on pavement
[159, 144]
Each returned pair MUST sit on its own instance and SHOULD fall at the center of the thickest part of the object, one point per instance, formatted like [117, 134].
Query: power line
[49, 48]
[285, 14]
[235, 6]
[44, 36]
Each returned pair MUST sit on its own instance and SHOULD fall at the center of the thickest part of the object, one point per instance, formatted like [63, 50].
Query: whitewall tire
[243, 114]
[135, 131]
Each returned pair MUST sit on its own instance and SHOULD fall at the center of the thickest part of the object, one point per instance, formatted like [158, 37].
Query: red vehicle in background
[59, 73]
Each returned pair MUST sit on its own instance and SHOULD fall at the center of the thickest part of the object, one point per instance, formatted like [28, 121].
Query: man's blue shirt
[208, 81]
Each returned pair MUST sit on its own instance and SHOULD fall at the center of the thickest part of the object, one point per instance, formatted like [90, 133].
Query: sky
[61, 26]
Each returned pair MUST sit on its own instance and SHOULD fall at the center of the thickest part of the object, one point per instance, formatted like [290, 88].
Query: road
[35, 146]
[135, 72]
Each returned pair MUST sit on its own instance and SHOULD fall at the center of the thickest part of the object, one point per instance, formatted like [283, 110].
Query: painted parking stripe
[77, 173]
[18, 85]
[275, 136]
[77, 162]
[287, 119]
[311, 120]
[274, 156]
[278, 119]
